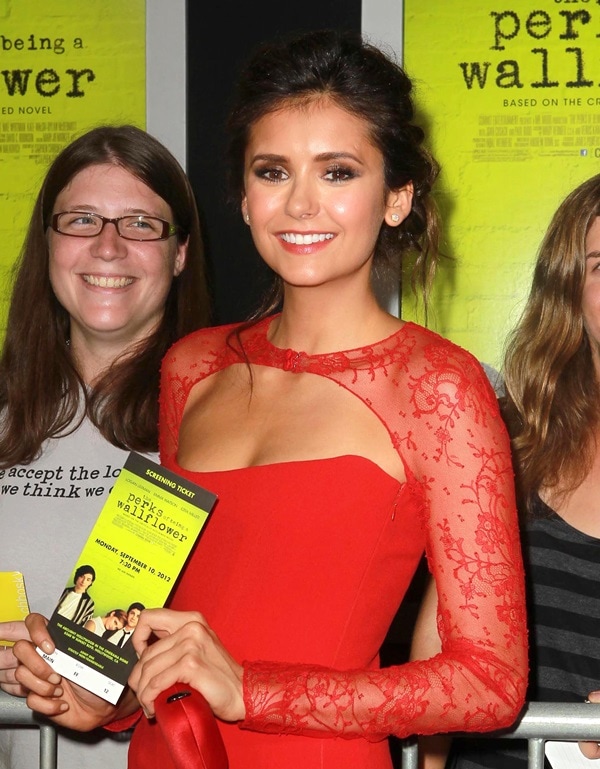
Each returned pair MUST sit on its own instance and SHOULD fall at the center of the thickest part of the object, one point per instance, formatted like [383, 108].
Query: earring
[247, 218]
[395, 217]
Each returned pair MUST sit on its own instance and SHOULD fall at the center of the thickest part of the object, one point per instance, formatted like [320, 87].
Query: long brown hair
[41, 390]
[552, 389]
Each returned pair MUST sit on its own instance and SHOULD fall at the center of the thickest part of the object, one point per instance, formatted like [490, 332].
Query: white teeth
[107, 282]
[305, 240]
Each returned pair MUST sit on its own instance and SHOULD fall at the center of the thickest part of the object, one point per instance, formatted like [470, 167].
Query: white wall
[166, 115]
[382, 23]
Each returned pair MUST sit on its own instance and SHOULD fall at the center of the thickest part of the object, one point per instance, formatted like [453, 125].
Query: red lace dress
[303, 565]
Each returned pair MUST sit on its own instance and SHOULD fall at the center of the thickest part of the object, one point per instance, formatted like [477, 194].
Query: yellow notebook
[13, 599]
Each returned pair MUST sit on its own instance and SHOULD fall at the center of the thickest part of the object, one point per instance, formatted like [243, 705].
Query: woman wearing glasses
[110, 275]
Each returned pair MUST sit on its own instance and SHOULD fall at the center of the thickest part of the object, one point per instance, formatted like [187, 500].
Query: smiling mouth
[305, 240]
[104, 281]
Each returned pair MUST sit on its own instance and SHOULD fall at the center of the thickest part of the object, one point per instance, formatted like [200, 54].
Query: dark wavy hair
[41, 391]
[341, 66]
[85, 569]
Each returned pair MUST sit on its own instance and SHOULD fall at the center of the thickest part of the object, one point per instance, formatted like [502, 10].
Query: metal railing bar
[538, 722]
[555, 721]
[14, 711]
[535, 753]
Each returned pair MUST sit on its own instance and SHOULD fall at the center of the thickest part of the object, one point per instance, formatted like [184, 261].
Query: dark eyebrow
[268, 158]
[85, 208]
[338, 156]
[322, 157]
[593, 255]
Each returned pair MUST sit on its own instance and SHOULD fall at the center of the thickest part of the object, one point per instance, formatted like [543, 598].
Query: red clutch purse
[189, 729]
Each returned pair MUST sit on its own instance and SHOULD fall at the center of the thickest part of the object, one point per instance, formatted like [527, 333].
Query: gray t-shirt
[47, 511]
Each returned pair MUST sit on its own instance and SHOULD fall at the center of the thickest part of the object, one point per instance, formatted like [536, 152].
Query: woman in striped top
[552, 380]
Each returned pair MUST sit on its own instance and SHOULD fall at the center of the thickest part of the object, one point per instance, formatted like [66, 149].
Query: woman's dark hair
[358, 77]
[118, 613]
[41, 391]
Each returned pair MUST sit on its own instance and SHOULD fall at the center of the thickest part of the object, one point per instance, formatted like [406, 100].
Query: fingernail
[64, 706]
[58, 692]
[54, 678]
[47, 647]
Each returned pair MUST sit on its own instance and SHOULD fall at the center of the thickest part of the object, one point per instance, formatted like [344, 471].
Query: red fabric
[302, 566]
[184, 734]
[189, 730]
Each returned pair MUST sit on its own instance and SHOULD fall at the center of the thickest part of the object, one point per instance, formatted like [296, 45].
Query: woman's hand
[591, 749]
[11, 631]
[47, 693]
[189, 652]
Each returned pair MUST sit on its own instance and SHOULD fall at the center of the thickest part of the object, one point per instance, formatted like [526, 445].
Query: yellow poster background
[509, 96]
[64, 68]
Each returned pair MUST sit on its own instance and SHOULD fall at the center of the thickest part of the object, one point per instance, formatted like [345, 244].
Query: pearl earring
[395, 217]
[247, 218]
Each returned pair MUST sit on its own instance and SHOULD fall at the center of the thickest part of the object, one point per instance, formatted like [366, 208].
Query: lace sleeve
[188, 360]
[182, 367]
[171, 402]
[455, 444]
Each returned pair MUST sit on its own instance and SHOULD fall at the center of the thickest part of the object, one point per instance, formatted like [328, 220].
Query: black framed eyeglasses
[83, 224]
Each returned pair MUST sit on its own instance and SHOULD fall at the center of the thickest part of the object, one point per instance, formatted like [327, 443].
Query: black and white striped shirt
[562, 566]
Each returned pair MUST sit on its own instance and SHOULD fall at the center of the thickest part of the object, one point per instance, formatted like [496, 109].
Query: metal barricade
[539, 722]
[14, 711]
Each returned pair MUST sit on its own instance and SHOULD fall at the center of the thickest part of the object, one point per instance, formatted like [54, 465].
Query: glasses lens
[80, 224]
[142, 228]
